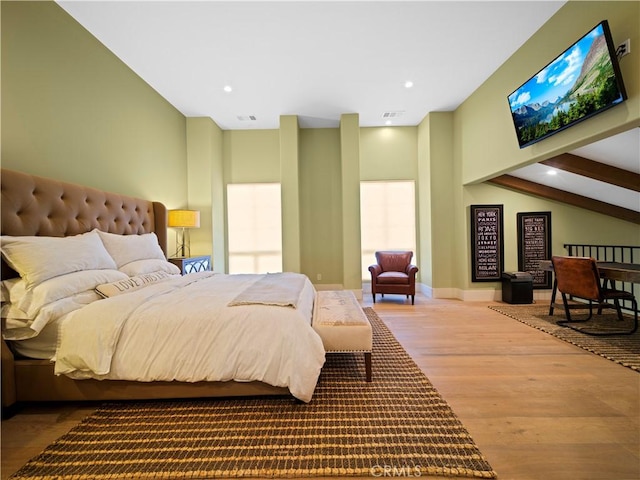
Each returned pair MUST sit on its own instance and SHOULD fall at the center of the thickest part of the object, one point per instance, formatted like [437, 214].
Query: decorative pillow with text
[131, 284]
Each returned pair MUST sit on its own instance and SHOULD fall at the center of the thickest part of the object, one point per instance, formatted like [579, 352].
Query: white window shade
[388, 219]
[255, 228]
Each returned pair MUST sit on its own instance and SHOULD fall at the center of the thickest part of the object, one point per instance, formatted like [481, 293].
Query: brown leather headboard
[40, 206]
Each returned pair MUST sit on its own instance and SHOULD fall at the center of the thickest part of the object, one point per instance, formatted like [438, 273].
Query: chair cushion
[393, 278]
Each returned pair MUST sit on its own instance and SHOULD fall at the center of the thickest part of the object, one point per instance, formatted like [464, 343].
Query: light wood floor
[538, 408]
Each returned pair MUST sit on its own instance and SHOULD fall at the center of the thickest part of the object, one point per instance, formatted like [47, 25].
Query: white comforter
[182, 329]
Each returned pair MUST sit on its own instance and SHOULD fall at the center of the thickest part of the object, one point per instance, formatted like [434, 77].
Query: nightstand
[192, 264]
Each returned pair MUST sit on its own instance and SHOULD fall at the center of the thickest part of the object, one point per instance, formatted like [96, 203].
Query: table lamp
[183, 219]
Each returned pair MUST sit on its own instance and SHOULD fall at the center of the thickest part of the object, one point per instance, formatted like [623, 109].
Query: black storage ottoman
[517, 287]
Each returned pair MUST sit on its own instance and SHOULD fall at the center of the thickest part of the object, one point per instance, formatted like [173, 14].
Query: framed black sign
[487, 243]
[534, 244]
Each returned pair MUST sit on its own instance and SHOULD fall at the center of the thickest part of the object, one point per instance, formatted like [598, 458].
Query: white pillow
[10, 311]
[16, 327]
[12, 289]
[125, 249]
[62, 287]
[37, 259]
[131, 284]
[140, 267]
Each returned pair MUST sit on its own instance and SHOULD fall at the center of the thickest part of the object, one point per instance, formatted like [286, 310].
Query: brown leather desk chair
[579, 277]
[393, 273]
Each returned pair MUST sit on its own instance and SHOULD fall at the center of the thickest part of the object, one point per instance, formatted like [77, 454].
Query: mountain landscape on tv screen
[594, 89]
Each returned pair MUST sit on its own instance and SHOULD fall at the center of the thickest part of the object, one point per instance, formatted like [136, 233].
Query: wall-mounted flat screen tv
[581, 82]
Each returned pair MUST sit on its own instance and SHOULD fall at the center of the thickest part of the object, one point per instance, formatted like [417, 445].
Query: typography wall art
[487, 243]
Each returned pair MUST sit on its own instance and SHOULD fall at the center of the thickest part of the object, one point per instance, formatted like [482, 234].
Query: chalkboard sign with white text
[534, 244]
[487, 249]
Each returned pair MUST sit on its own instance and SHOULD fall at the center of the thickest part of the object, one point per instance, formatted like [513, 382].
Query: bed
[121, 322]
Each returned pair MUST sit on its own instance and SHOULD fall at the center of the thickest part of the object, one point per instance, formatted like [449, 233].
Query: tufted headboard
[40, 206]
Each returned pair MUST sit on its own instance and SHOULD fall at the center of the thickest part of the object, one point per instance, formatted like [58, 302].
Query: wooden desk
[614, 271]
[622, 272]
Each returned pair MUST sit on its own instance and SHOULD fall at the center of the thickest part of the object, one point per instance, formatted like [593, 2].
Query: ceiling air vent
[388, 115]
[247, 118]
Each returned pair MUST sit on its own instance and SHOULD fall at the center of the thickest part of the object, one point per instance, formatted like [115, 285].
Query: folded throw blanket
[279, 289]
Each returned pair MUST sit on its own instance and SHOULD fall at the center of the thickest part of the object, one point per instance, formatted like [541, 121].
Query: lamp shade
[184, 218]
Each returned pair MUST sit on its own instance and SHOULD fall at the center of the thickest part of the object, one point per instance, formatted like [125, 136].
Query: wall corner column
[290, 192]
[437, 194]
[350, 170]
[205, 189]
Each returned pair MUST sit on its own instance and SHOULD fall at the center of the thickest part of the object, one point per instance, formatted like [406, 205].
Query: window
[388, 219]
[255, 228]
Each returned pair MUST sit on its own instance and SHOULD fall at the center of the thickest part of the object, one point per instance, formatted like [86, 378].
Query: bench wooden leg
[367, 365]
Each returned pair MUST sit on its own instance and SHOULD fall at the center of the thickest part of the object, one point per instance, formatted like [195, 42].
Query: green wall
[290, 193]
[484, 129]
[568, 224]
[485, 144]
[436, 199]
[350, 176]
[252, 156]
[321, 205]
[204, 187]
[388, 153]
[71, 110]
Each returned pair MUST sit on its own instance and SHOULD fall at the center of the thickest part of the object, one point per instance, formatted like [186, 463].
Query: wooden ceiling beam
[595, 170]
[532, 188]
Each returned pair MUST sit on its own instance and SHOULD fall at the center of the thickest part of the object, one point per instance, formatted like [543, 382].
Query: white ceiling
[316, 60]
[320, 59]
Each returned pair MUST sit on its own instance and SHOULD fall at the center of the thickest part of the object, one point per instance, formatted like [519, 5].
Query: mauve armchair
[393, 273]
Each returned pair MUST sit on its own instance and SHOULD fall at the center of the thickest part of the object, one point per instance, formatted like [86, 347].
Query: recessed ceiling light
[388, 122]
[228, 89]
[408, 84]
[552, 172]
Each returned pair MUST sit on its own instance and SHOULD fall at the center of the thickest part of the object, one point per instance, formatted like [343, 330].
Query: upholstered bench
[342, 325]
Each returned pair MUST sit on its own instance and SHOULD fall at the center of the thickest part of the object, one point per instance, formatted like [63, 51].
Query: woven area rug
[397, 425]
[622, 349]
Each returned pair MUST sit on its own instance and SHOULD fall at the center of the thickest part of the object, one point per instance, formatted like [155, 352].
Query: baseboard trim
[470, 295]
[329, 286]
[475, 295]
